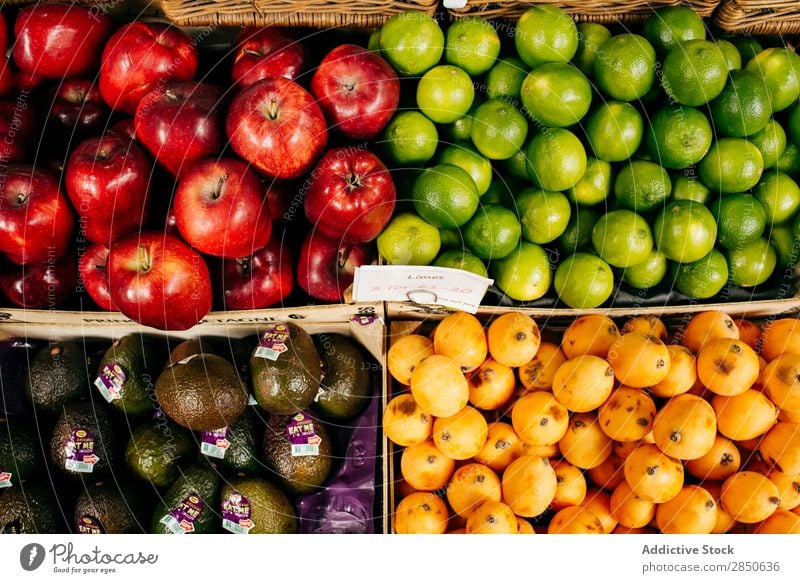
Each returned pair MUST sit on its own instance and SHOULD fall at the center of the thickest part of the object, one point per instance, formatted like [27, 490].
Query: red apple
[77, 105]
[25, 81]
[278, 127]
[357, 90]
[35, 218]
[327, 268]
[181, 122]
[280, 197]
[43, 285]
[124, 127]
[56, 41]
[259, 281]
[17, 128]
[351, 195]
[266, 52]
[94, 275]
[108, 181]
[159, 281]
[221, 208]
[141, 56]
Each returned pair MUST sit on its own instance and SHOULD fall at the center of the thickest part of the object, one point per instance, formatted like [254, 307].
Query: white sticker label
[452, 288]
[455, 3]
[215, 443]
[5, 479]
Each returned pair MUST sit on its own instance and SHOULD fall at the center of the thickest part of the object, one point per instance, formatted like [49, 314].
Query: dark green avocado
[299, 470]
[110, 508]
[243, 455]
[31, 508]
[84, 443]
[158, 450]
[346, 383]
[20, 450]
[57, 376]
[268, 507]
[191, 504]
[127, 374]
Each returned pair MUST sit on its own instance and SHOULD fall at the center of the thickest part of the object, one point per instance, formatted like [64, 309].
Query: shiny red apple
[351, 195]
[266, 52]
[221, 208]
[17, 128]
[158, 280]
[77, 106]
[141, 56]
[357, 90]
[42, 285]
[181, 122]
[92, 267]
[280, 197]
[327, 267]
[278, 127]
[124, 127]
[261, 280]
[36, 221]
[25, 81]
[56, 41]
[108, 181]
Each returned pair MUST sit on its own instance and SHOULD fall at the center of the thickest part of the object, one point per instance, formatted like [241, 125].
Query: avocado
[259, 501]
[243, 454]
[83, 442]
[126, 374]
[186, 349]
[20, 451]
[346, 382]
[190, 504]
[202, 393]
[289, 383]
[57, 376]
[109, 508]
[300, 470]
[158, 450]
[32, 508]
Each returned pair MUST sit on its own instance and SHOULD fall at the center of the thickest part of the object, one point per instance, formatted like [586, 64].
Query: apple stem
[251, 52]
[218, 190]
[272, 109]
[21, 198]
[244, 265]
[341, 259]
[170, 95]
[144, 259]
[354, 181]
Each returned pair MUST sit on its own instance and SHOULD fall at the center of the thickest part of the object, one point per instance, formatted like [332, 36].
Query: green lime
[374, 43]
[584, 281]
[789, 161]
[545, 34]
[649, 273]
[626, 67]
[410, 139]
[472, 44]
[412, 42]
[451, 238]
[668, 27]
[445, 196]
[732, 56]
[678, 136]
[467, 158]
[498, 129]
[748, 47]
[731, 165]
[786, 246]
[642, 186]
[544, 215]
[614, 131]
[771, 142]
[524, 274]
[779, 195]
[505, 78]
[408, 240]
[622, 238]
[740, 219]
[517, 165]
[578, 234]
[459, 130]
[493, 232]
[689, 188]
[501, 191]
[445, 94]
[556, 159]
[743, 108]
[464, 260]
[685, 231]
[752, 264]
[590, 36]
[794, 124]
[556, 94]
[704, 278]
[595, 184]
[694, 73]
[780, 70]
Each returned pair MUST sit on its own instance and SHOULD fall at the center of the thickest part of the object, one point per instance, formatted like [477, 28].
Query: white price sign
[443, 286]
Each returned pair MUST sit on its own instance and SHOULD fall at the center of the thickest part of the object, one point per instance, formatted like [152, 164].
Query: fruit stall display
[237, 430]
[591, 426]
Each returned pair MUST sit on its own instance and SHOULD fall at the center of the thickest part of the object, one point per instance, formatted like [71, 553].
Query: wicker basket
[772, 17]
[604, 12]
[312, 13]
